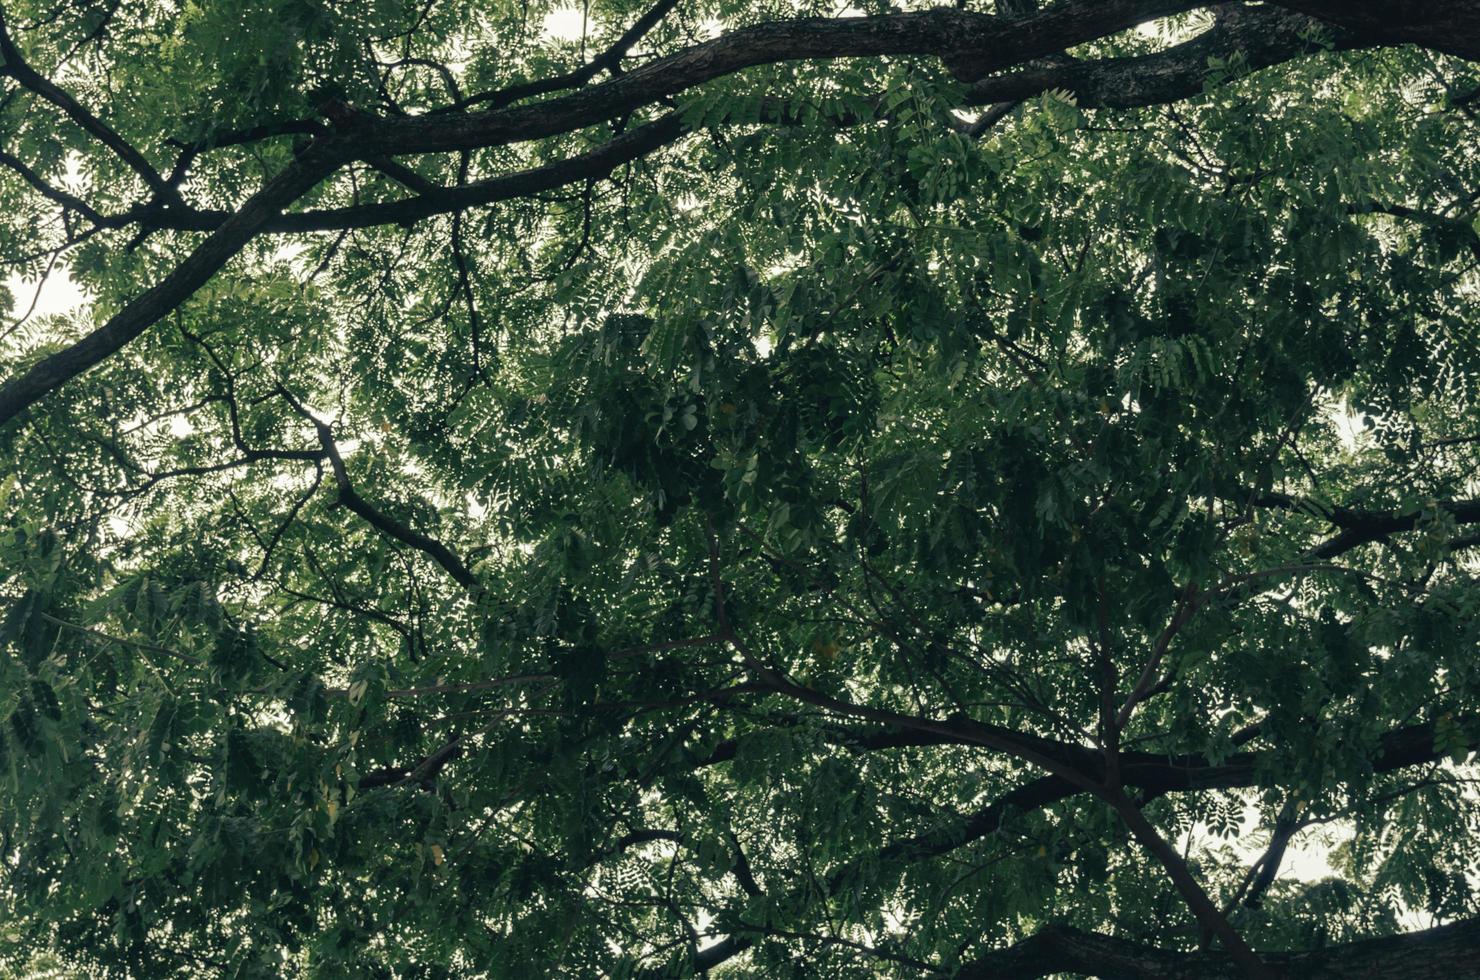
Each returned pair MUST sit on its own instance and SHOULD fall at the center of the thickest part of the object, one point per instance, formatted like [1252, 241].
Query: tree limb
[1451, 951]
[1244, 40]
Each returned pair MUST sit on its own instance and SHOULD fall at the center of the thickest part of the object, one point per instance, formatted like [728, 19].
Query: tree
[740, 489]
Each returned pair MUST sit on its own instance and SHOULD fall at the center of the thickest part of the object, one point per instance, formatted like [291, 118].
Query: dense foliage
[923, 513]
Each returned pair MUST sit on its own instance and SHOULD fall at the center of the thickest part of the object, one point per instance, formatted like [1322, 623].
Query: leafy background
[928, 420]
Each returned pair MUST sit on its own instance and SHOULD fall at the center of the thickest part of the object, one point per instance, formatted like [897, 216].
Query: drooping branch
[382, 522]
[250, 457]
[49, 191]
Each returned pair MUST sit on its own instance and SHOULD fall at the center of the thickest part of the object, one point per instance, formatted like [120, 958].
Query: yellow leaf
[437, 854]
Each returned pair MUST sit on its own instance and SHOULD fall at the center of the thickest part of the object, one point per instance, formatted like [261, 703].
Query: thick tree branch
[1244, 40]
[1451, 951]
[973, 46]
[1449, 26]
[1264, 38]
[1359, 527]
[1150, 774]
[1207, 914]
[1070, 762]
[1267, 868]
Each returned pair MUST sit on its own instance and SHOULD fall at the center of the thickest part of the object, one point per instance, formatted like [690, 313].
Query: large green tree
[740, 488]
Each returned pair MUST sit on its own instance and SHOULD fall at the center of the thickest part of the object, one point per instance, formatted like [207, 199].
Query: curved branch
[592, 165]
[1262, 38]
[48, 191]
[1151, 774]
[972, 45]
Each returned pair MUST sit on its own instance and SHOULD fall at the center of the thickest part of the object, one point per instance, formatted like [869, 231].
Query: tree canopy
[740, 488]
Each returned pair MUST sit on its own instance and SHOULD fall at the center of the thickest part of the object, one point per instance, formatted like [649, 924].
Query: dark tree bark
[1449, 952]
[1449, 26]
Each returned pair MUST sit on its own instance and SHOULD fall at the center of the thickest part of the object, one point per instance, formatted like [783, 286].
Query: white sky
[564, 24]
[59, 294]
